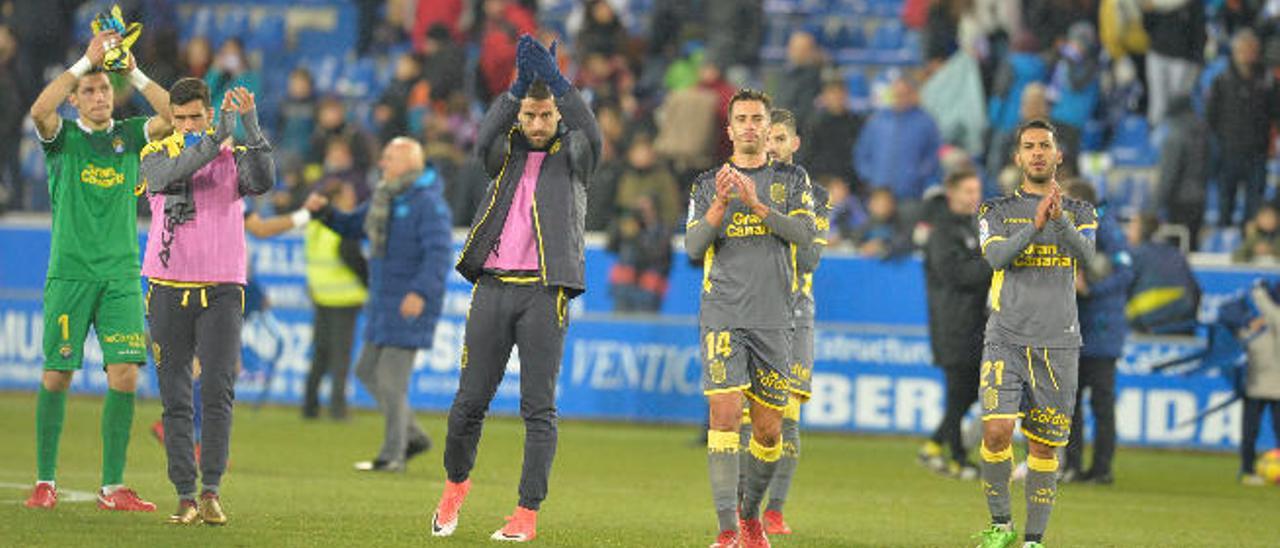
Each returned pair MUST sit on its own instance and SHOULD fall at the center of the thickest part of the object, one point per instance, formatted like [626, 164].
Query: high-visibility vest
[331, 282]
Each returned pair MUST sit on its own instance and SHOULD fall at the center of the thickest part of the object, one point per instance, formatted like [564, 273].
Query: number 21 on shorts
[995, 369]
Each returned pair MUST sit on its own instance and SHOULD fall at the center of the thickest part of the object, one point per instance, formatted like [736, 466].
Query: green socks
[117, 421]
[51, 408]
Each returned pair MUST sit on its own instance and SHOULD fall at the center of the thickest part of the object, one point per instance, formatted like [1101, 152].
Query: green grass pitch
[291, 484]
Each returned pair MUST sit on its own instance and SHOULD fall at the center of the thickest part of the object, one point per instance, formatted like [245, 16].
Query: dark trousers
[1245, 171]
[203, 323]
[1252, 423]
[1099, 376]
[1190, 215]
[534, 318]
[962, 391]
[334, 330]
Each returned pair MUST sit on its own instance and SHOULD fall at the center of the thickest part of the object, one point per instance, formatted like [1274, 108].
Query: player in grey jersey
[782, 146]
[743, 219]
[1034, 240]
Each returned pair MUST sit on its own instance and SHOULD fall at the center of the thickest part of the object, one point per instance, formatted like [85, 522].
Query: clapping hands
[536, 62]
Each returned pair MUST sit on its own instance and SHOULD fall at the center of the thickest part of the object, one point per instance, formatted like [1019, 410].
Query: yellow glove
[117, 58]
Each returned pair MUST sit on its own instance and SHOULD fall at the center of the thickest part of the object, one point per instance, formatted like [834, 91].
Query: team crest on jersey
[984, 230]
[778, 192]
[117, 144]
[65, 351]
[716, 371]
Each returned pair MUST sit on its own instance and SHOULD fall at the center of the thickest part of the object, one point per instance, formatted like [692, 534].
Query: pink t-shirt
[518, 247]
[210, 247]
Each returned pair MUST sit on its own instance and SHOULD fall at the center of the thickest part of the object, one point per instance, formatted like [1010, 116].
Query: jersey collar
[110, 125]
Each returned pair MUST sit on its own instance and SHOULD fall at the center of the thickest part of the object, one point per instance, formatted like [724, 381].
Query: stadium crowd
[1197, 78]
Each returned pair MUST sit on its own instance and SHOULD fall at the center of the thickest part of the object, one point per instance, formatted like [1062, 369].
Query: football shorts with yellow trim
[115, 310]
[801, 364]
[1035, 384]
[753, 361]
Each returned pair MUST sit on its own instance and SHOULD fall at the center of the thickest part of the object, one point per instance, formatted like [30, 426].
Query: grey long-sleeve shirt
[167, 173]
[807, 257]
[750, 276]
[1033, 295]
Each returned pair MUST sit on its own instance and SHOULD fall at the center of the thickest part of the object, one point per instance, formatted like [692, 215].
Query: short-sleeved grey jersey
[1033, 289]
[749, 274]
[807, 257]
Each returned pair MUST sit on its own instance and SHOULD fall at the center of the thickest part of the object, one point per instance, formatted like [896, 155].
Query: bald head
[401, 156]
[1035, 102]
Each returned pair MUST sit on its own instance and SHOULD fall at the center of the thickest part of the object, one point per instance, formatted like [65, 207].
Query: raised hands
[1050, 207]
[102, 42]
[238, 99]
[536, 62]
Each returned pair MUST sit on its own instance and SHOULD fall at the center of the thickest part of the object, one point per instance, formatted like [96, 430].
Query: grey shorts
[801, 362]
[1035, 384]
[752, 361]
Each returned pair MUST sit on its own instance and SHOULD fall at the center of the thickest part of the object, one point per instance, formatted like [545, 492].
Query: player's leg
[769, 352]
[217, 336]
[68, 310]
[120, 325]
[1001, 390]
[1047, 426]
[173, 347]
[724, 376]
[540, 332]
[487, 341]
[801, 382]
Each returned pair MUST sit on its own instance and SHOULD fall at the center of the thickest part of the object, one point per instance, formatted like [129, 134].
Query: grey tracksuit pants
[534, 318]
[204, 323]
[384, 371]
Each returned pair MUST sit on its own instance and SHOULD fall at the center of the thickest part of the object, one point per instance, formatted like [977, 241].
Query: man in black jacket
[1243, 102]
[1177, 31]
[957, 282]
[524, 255]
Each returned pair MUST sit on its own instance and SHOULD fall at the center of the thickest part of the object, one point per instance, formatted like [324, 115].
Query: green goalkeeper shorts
[115, 310]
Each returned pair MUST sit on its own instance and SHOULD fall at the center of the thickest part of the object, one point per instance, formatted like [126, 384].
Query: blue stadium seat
[1131, 144]
[888, 36]
[1222, 240]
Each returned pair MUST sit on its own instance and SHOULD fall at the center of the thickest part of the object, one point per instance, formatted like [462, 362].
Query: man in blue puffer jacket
[1101, 293]
[406, 222]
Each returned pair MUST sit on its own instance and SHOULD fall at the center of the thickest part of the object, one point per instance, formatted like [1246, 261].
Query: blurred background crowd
[1167, 107]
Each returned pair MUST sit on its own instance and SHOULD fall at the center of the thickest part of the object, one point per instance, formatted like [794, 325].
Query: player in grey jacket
[524, 255]
[1034, 240]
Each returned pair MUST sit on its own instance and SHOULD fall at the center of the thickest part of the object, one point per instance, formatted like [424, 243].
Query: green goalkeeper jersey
[93, 177]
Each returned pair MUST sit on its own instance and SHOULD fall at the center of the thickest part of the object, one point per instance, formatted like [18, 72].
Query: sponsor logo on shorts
[990, 399]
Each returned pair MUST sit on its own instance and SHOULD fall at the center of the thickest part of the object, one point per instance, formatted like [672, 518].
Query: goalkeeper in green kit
[93, 276]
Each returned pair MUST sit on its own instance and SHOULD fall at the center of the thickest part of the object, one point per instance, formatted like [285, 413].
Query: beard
[1039, 178]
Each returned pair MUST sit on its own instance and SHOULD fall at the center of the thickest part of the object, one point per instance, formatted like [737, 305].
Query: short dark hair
[189, 89]
[956, 177]
[538, 91]
[1034, 123]
[748, 94]
[92, 70]
[784, 117]
[1080, 189]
